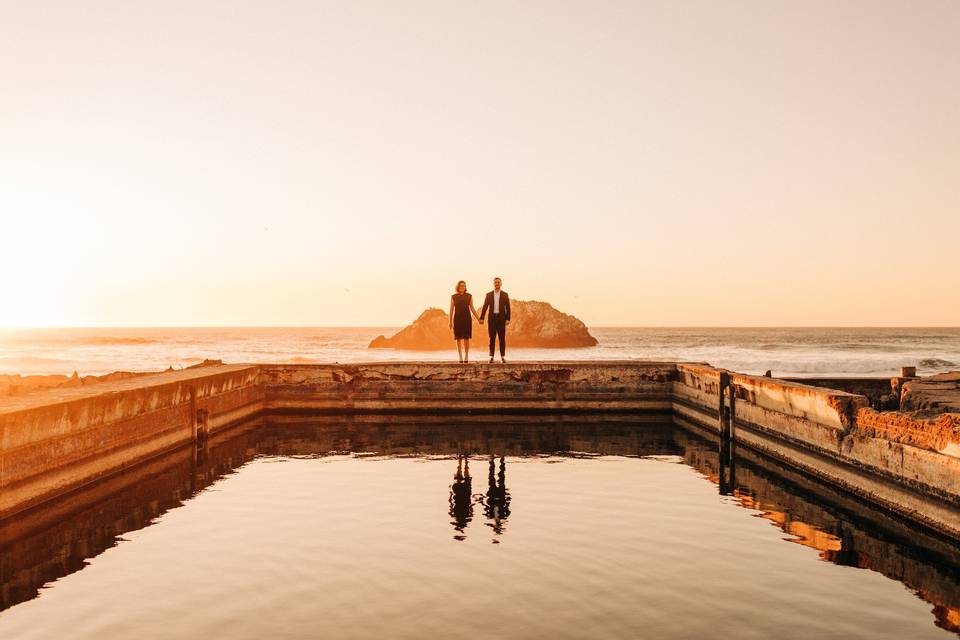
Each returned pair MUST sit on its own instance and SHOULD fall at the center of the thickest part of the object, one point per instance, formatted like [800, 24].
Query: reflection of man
[499, 304]
[497, 506]
[461, 504]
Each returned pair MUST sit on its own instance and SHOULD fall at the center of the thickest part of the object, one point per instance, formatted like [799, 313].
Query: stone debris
[939, 393]
[917, 428]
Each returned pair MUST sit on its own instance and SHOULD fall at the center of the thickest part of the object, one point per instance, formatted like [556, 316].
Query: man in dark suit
[499, 304]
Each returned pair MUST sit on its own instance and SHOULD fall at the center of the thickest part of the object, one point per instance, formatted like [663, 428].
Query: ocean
[785, 351]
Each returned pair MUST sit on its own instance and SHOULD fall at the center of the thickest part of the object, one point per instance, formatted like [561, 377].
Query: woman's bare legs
[466, 350]
[460, 349]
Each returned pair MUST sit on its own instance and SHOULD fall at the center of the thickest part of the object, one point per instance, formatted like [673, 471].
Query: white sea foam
[800, 352]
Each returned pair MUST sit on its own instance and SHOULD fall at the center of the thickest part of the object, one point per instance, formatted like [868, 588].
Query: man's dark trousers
[497, 327]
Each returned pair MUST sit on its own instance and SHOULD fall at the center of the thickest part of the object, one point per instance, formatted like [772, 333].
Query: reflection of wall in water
[53, 541]
[58, 538]
[839, 527]
[545, 434]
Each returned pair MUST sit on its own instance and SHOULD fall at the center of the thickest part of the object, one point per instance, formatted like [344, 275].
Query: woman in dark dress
[461, 306]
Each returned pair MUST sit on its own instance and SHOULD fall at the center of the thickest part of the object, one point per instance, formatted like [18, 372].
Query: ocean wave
[829, 366]
[786, 352]
[67, 341]
[31, 360]
[112, 340]
[772, 346]
[936, 363]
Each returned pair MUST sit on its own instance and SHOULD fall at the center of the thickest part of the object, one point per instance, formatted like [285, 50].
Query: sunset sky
[633, 163]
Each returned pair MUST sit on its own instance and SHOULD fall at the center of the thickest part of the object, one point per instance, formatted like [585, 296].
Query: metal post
[732, 440]
[724, 383]
[727, 416]
[732, 415]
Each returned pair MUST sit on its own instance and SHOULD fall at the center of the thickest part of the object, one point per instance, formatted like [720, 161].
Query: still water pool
[414, 528]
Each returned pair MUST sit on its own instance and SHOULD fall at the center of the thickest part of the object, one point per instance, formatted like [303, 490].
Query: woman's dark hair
[456, 289]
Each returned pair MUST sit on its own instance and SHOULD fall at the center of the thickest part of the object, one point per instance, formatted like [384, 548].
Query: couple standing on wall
[461, 306]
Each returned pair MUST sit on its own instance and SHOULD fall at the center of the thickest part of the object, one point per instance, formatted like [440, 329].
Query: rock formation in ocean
[533, 325]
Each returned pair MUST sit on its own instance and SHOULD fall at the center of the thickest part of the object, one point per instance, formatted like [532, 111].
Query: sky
[677, 163]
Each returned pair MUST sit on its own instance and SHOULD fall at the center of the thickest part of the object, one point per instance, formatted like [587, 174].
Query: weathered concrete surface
[54, 442]
[454, 388]
[939, 393]
[816, 430]
[902, 485]
[883, 393]
[817, 417]
[533, 324]
[936, 433]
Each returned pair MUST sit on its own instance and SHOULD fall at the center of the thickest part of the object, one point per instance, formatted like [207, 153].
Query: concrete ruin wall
[454, 388]
[880, 391]
[818, 431]
[56, 442]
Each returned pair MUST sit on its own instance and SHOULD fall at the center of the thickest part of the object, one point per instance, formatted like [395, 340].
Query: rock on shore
[533, 325]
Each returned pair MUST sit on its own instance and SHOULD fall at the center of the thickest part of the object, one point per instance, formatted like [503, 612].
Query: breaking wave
[111, 340]
[936, 363]
[786, 352]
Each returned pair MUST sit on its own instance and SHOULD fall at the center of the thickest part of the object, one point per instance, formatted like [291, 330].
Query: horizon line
[390, 326]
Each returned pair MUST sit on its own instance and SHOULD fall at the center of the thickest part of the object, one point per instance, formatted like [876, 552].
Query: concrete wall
[60, 536]
[455, 388]
[880, 391]
[54, 442]
[816, 430]
[839, 525]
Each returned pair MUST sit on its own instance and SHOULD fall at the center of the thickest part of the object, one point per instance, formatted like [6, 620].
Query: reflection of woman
[461, 306]
[461, 502]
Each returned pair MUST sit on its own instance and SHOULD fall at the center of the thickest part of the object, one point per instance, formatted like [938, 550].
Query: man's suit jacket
[504, 305]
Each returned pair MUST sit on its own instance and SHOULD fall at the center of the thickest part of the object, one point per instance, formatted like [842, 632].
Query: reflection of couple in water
[496, 502]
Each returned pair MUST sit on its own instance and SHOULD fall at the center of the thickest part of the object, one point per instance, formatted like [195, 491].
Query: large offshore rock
[533, 324]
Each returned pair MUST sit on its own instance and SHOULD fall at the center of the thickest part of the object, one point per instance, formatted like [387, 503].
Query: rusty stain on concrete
[934, 433]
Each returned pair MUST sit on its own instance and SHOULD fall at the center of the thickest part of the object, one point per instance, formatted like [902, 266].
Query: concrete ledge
[826, 407]
[880, 489]
[432, 387]
[53, 443]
